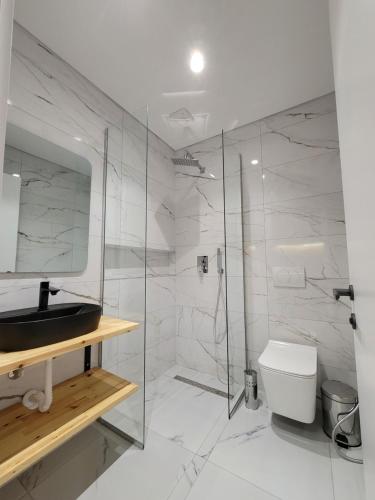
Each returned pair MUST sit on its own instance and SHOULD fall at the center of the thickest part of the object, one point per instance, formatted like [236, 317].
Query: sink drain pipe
[41, 400]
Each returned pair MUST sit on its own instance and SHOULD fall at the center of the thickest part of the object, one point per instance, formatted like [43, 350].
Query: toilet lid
[293, 359]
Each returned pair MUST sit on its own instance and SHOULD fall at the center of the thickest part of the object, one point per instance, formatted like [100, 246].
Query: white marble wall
[293, 216]
[200, 299]
[304, 225]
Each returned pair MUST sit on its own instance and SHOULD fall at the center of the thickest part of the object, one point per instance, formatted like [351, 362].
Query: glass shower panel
[234, 269]
[124, 283]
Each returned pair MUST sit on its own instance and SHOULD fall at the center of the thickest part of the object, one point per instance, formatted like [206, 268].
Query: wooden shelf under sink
[108, 327]
[27, 435]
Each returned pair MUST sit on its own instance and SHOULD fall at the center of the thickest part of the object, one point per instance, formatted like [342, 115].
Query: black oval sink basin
[23, 329]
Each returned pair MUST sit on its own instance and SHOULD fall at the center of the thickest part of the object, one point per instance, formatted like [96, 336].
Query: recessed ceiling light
[16, 175]
[263, 176]
[212, 175]
[184, 93]
[254, 162]
[196, 61]
[79, 139]
[9, 102]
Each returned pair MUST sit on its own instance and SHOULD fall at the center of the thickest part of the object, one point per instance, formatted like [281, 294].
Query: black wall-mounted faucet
[44, 292]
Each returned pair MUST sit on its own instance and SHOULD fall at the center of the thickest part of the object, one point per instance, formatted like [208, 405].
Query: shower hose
[335, 432]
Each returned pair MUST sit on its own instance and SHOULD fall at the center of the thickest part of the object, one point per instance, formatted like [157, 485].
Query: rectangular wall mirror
[45, 206]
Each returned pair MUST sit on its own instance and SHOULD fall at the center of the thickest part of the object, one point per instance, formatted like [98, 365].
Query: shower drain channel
[204, 387]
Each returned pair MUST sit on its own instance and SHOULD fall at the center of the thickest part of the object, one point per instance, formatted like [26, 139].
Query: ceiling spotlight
[16, 175]
[254, 162]
[212, 175]
[196, 61]
[9, 102]
[79, 139]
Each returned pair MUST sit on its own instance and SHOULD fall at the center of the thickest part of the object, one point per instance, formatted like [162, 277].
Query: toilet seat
[291, 359]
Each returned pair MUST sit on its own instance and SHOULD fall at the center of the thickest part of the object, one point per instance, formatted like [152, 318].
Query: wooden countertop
[108, 327]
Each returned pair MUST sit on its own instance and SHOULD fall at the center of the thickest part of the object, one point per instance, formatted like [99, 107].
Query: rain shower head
[188, 161]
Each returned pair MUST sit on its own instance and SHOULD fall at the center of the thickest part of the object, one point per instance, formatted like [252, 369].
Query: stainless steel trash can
[338, 399]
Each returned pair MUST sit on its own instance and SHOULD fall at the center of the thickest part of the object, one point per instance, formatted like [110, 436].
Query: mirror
[45, 206]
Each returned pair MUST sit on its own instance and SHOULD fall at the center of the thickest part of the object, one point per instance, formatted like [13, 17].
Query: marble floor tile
[160, 390]
[82, 459]
[213, 436]
[151, 473]
[187, 417]
[188, 478]
[289, 460]
[218, 484]
[348, 480]
[12, 491]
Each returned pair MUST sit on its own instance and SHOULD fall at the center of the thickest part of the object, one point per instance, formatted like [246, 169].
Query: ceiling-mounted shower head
[188, 161]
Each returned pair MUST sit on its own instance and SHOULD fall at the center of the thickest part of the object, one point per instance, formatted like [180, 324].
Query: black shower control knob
[353, 321]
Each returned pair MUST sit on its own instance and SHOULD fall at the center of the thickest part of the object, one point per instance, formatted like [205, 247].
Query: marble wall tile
[255, 258]
[249, 148]
[252, 187]
[253, 223]
[205, 291]
[322, 257]
[200, 229]
[160, 292]
[315, 301]
[160, 228]
[292, 216]
[257, 331]
[320, 215]
[202, 357]
[161, 325]
[198, 195]
[333, 340]
[205, 324]
[306, 111]
[333, 373]
[304, 177]
[302, 140]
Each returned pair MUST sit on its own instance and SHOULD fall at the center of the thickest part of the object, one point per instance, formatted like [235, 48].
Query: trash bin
[338, 399]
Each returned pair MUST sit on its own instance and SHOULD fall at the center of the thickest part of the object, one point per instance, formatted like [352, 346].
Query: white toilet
[289, 373]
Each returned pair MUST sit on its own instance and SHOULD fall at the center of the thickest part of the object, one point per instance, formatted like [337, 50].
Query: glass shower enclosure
[234, 271]
[124, 265]
[125, 278]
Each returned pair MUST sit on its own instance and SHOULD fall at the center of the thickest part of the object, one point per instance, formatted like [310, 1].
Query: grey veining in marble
[293, 215]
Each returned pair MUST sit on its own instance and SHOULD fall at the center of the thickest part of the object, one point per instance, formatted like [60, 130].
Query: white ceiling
[262, 56]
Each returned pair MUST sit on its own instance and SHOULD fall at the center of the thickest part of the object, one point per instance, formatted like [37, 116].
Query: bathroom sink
[23, 329]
